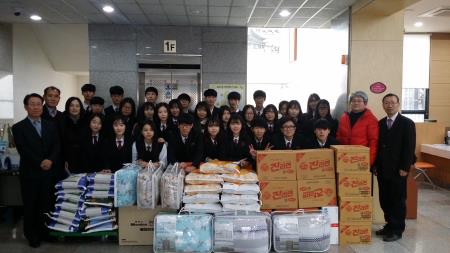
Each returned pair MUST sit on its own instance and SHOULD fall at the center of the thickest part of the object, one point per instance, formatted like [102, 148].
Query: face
[147, 132]
[259, 102]
[88, 95]
[97, 109]
[270, 116]
[74, 108]
[236, 128]
[283, 109]
[259, 132]
[249, 115]
[288, 129]
[119, 128]
[149, 112]
[211, 100]
[34, 107]
[116, 99]
[162, 113]
[322, 134]
[293, 112]
[213, 130]
[234, 103]
[391, 105]
[175, 111]
[184, 103]
[226, 116]
[313, 104]
[357, 104]
[323, 111]
[151, 97]
[52, 98]
[127, 109]
[185, 129]
[95, 125]
[202, 113]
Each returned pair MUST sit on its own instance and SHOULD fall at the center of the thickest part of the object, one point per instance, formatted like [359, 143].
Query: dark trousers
[38, 197]
[393, 202]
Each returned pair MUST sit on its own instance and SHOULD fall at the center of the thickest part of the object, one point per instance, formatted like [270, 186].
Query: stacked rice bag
[69, 206]
[240, 191]
[201, 192]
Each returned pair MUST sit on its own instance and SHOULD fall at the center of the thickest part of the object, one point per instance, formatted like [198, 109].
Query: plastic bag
[100, 178]
[239, 199]
[125, 185]
[148, 186]
[240, 188]
[172, 183]
[203, 208]
[254, 207]
[201, 198]
[203, 188]
[245, 176]
[195, 177]
[80, 183]
[219, 167]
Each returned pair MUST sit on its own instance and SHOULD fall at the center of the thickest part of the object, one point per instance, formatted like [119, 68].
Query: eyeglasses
[389, 103]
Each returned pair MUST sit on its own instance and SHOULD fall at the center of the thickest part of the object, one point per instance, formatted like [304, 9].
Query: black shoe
[34, 244]
[382, 232]
[392, 237]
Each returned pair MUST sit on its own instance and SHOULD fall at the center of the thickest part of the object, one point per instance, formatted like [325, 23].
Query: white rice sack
[101, 187]
[71, 185]
[219, 167]
[239, 199]
[96, 223]
[195, 177]
[125, 185]
[101, 178]
[97, 211]
[236, 207]
[53, 225]
[61, 220]
[172, 184]
[74, 177]
[203, 208]
[70, 197]
[245, 176]
[66, 215]
[204, 188]
[104, 227]
[68, 206]
[98, 194]
[201, 198]
[70, 191]
[99, 203]
[240, 188]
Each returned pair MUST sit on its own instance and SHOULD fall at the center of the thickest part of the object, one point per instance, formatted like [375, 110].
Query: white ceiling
[430, 24]
[254, 13]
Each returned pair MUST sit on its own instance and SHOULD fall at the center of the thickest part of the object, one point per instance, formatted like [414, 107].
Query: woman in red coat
[359, 126]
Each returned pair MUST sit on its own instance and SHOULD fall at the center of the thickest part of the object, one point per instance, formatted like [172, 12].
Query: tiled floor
[430, 233]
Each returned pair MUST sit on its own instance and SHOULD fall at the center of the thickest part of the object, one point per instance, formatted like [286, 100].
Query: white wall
[33, 70]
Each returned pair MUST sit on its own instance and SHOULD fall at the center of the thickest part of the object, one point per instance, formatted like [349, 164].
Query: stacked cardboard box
[354, 193]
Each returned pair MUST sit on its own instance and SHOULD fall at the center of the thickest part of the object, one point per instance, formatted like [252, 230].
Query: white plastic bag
[203, 208]
[125, 185]
[172, 184]
[240, 188]
[239, 199]
[195, 177]
[202, 188]
[245, 176]
[219, 167]
[148, 186]
[201, 198]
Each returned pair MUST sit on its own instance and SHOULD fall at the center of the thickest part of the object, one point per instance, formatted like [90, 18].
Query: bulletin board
[224, 89]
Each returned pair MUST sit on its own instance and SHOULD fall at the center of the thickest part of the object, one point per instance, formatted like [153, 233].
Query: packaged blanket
[227, 198]
[219, 167]
[195, 177]
[232, 188]
[148, 182]
[203, 208]
[172, 184]
[253, 207]
[125, 185]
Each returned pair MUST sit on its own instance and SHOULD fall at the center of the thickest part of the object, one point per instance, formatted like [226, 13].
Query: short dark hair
[119, 117]
[284, 120]
[93, 115]
[49, 88]
[88, 87]
[390, 95]
[259, 122]
[185, 118]
[294, 103]
[210, 93]
[32, 95]
[321, 124]
[283, 102]
[234, 95]
[97, 101]
[270, 107]
[116, 90]
[130, 101]
[69, 101]
[151, 89]
[259, 94]
[184, 96]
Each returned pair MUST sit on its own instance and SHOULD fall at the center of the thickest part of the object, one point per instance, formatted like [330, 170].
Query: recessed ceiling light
[35, 17]
[418, 24]
[196, 12]
[285, 13]
[138, 54]
[148, 47]
[108, 9]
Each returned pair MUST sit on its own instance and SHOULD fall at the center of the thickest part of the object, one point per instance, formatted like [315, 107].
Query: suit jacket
[93, 155]
[71, 136]
[212, 151]
[191, 151]
[278, 142]
[312, 143]
[396, 146]
[215, 113]
[33, 149]
[46, 115]
[115, 158]
[109, 111]
[236, 152]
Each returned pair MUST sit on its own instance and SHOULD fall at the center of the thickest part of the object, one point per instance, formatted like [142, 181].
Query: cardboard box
[354, 184]
[333, 216]
[315, 164]
[273, 165]
[136, 225]
[278, 194]
[352, 158]
[355, 233]
[316, 193]
[355, 209]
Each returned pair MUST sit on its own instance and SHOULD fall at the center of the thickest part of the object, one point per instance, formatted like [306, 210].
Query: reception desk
[439, 155]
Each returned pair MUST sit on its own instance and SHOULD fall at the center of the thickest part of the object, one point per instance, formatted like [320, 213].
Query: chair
[421, 169]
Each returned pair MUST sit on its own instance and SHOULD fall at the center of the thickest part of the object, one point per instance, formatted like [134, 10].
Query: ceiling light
[138, 54]
[418, 24]
[108, 9]
[35, 17]
[196, 12]
[285, 13]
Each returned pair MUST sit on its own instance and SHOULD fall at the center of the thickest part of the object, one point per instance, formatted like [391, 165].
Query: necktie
[258, 144]
[258, 113]
[53, 113]
[214, 142]
[184, 140]
[95, 139]
[288, 144]
[116, 109]
[236, 141]
[163, 127]
[119, 145]
[149, 148]
[389, 123]
[37, 125]
[88, 108]
[270, 127]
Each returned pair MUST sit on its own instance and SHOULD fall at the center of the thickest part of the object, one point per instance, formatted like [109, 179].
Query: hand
[268, 147]
[252, 151]
[46, 164]
[66, 166]
[105, 171]
[403, 173]
[161, 140]
[156, 165]
[183, 165]
[243, 162]
[142, 163]
[189, 168]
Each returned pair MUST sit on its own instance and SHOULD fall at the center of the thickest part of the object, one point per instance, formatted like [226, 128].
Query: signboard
[378, 87]
[170, 46]
[224, 89]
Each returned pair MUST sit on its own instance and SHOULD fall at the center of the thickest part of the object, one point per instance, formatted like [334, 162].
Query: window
[6, 96]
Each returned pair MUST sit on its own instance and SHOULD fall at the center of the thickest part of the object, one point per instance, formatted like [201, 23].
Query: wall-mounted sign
[224, 89]
[170, 46]
[378, 87]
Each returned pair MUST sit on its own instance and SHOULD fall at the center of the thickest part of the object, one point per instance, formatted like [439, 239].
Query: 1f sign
[170, 46]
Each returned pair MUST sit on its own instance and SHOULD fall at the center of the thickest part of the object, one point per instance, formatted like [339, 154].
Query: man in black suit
[38, 145]
[234, 98]
[211, 98]
[185, 145]
[288, 139]
[322, 137]
[52, 96]
[116, 93]
[259, 97]
[395, 157]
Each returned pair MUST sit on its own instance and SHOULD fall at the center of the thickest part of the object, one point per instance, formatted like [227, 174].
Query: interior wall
[33, 71]
[440, 78]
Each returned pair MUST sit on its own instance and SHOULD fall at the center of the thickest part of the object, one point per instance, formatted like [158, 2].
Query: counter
[439, 155]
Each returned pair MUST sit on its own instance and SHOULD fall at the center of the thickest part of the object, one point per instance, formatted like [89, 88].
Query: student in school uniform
[323, 111]
[201, 116]
[116, 93]
[162, 121]
[236, 145]
[185, 101]
[249, 115]
[127, 109]
[322, 137]
[213, 140]
[93, 145]
[294, 111]
[287, 139]
[259, 97]
[259, 140]
[234, 99]
[224, 117]
[151, 95]
[313, 99]
[146, 112]
[88, 91]
[270, 115]
[97, 104]
[174, 113]
[211, 98]
[282, 109]
[185, 145]
[147, 148]
[118, 147]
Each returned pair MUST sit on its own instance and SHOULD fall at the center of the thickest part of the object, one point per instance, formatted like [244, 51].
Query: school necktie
[184, 140]
[149, 148]
[95, 139]
[236, 141]
[119, 145]
[270, 127]
[288, 144]
[163, 127]
[389, 123]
